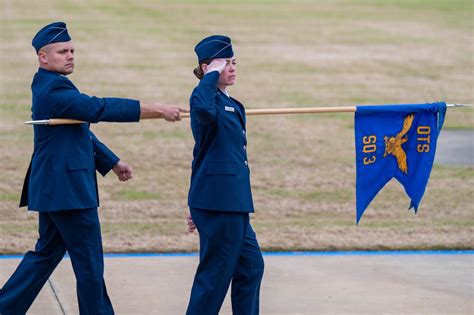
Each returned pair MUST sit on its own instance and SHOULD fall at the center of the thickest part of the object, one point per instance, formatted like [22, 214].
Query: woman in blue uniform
[220, 197]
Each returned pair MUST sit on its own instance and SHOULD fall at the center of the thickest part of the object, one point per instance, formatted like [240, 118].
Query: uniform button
[90, 137]
[246, 163]
[243, 131]
[245, 148]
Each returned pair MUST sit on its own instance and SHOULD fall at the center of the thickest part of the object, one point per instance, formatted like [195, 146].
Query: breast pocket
[221, 168]
[78, 164]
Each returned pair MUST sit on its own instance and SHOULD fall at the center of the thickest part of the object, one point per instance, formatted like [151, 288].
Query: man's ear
[43, 57]
[204, 67]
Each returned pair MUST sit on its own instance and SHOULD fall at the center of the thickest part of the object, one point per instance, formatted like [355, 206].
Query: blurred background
[289, 54]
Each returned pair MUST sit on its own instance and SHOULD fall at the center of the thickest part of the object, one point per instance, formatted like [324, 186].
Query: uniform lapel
[240, 110]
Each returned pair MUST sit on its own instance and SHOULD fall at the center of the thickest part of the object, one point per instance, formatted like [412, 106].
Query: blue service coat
[62, 173]
[220, 178]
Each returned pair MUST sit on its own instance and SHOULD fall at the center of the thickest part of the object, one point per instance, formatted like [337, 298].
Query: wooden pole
[64, 121]
[301, 110]
[268, 111]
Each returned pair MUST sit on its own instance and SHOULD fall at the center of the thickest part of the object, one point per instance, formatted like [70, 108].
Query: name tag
[229, 109]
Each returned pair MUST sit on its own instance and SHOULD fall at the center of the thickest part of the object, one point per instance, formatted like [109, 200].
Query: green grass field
[290, 54]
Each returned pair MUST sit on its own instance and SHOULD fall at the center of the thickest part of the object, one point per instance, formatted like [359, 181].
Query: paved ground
[455, 147]
[311, 284]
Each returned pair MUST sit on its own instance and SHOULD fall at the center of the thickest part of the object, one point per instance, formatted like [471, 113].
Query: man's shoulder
[60, 80]
[52, 80]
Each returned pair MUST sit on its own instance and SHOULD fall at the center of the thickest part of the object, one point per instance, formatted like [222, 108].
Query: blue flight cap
[212, 47]
[52, 33]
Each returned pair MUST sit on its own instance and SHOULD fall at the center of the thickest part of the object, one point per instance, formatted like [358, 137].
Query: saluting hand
[123, 171]
[216, 64]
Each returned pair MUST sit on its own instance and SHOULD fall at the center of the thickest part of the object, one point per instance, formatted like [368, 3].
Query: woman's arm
[203, 100]
[204, 95]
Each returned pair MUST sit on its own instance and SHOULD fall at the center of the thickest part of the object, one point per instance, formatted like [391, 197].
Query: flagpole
[267, 111]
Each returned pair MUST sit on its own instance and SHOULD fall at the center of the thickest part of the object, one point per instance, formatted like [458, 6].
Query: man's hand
[216, 64]
[173, 113]
[191, 226]
[123, 171]
[157, 110]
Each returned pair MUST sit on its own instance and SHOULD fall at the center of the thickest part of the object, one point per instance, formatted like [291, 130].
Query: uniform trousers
[78, 233]
[229, 252]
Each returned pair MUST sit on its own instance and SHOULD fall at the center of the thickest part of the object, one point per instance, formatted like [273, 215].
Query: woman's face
[229, 74]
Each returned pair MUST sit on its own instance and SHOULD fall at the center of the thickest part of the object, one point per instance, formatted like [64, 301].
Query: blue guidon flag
[395, 141]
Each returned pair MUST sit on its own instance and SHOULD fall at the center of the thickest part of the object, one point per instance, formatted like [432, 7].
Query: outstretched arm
[157, 110]
[67, 102]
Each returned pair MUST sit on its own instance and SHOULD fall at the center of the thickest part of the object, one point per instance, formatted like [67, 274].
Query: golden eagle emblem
[393, 145]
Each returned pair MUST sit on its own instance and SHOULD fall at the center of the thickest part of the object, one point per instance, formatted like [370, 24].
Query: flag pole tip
[459, 105]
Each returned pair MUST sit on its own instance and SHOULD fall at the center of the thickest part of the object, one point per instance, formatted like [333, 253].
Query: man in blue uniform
[61, 180]
[220, 198]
